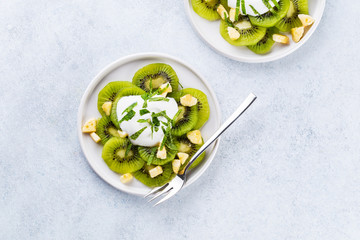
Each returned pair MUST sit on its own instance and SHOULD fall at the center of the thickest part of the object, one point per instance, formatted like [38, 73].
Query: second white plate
[210, 33]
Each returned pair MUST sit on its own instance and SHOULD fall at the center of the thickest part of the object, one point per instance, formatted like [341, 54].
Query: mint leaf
[237, 10]
[276, 4]
[243, 7]
[162, 114]
[128, 116]
[128, 148]
[156, 128]
[267, 4]
[176, 116]
[152, 156]
[165, 123]
[129, 108]
[156, 99]
[255, 11]
[137, 134]
[163, 142]
[143, 120]
[228, 22]
[144, 111]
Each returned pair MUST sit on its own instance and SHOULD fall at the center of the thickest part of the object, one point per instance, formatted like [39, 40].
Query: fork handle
[242, 108]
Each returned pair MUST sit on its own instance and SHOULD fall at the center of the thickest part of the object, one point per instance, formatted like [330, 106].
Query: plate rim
[108, 69]
[262, 58]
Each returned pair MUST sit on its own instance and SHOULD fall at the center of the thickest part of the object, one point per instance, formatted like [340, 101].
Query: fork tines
[160, 191]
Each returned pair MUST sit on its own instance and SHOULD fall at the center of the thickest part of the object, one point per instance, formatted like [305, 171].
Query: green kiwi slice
[249, 34]
[121, 156]
[145, 154]
[106, 129]
[143, 175]
[156, 74]
[270, 18]
[265, 44]
[129, 91]
[302, 6]
[109, 92]
[291, 19]
[187, 118]
[197, 161]
[208, 8]
[184, 145]
[202, 105]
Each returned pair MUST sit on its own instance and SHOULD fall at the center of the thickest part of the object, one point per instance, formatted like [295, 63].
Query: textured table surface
[290, 169]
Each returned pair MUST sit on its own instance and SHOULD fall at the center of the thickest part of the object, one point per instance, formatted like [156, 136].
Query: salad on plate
[150, 127]
[257, 24]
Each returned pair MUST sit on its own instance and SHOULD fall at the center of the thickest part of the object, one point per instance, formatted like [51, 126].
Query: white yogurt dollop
[257, 4]
[146, 138]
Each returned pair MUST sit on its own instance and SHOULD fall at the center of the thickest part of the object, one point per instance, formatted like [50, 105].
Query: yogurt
[257, 4]
[147, 138]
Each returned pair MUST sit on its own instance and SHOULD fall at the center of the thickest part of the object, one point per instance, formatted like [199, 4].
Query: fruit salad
[257, 24]
[150, 127]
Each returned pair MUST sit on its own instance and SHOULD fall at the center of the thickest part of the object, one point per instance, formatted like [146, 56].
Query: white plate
[123, 70]
[210, 33]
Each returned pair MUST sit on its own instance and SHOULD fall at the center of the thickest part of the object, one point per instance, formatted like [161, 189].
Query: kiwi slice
[129, 91]
[265, 44]
[106, 129]
[202, 105]
[270, 18]
[197, 161]
[145, 154]
[184, 145]
[302, 6]
[208, 8]
[187, 118]
[291, 19]
[109, 92]
[249, 34]
[156, 74]
[121, 156]
[143, 175]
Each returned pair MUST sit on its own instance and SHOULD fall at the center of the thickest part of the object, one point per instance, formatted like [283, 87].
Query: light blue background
[289, 169]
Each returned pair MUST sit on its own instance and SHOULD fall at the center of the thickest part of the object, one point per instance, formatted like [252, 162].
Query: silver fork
[171, 188]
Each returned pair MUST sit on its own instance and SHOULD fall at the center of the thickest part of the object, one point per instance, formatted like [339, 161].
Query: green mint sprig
[144, 111]
[149, 96]
[128, 148]
[130, 113]
[137, 134]
[155, 120]
[228, 22]
[237, 10]
[129, 108]
[128, 116]
[152, 156]
[163, 114]
[143, 120]
[163, 140]
[255, 11]
[181, 85]
[267, 4]
[157, 99]
[176, 116]
[243, 8]
[276, 4]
